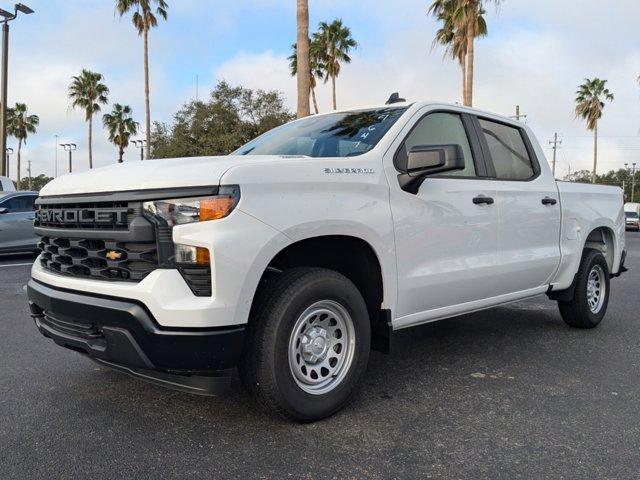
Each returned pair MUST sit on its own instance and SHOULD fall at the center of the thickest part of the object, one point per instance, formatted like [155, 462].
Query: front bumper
[633, 226]
[123, 334]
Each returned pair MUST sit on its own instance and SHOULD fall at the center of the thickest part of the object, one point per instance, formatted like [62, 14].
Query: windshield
[631, 214]
[345, 134]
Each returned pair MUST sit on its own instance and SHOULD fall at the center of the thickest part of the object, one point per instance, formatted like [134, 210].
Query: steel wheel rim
[321, 347]
[596, 289]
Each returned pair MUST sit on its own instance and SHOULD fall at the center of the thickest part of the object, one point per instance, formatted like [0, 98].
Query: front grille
[102, 241]
[115, 216]
[88, 258]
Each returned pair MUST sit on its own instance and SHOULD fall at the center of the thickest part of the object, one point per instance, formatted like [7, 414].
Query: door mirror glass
[432, 159]
[3, 210]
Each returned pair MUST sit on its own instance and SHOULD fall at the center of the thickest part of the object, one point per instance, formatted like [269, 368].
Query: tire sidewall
[303, 404]
[593, 258]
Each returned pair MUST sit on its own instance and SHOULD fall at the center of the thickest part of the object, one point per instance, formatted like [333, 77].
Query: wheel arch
[351, 256]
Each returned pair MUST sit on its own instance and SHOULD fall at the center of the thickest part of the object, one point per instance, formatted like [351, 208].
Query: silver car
[17, 213]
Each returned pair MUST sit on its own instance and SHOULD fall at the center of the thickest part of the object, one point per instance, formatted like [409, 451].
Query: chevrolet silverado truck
[290, 259]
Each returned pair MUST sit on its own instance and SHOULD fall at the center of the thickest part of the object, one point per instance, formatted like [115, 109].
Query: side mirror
[431, 159]
[3, 210]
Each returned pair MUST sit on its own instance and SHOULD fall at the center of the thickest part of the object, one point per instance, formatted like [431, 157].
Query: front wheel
[591, 294]
[308, 343]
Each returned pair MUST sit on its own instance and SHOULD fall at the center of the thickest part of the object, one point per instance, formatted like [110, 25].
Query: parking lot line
[16, 265]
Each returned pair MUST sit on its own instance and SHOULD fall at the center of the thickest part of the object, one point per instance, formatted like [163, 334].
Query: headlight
[180, 211]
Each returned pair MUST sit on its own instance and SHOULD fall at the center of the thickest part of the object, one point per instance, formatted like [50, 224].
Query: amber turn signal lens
[202, 256]
[216, 207]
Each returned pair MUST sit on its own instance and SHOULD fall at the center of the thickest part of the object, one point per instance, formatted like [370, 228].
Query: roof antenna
[395, 98]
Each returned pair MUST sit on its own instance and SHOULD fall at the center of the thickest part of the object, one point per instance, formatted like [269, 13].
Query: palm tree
[465, 19]
[87, 92]
[19, 125]
[315, 65]
[452, 37]
[144, 19]
[120, 126]
[335, 43]
[302, 58]
[590, 99]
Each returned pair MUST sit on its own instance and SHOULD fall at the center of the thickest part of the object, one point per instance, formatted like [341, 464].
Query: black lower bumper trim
[124, 333]
[195, 384]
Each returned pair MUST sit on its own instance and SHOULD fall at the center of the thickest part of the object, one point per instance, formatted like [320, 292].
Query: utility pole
[555, 142]
[518, 115]
[30, 178]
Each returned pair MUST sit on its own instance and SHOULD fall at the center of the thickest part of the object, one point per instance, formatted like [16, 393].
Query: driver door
[447, 232]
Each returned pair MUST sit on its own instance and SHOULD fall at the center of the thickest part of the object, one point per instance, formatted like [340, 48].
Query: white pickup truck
[294, 256]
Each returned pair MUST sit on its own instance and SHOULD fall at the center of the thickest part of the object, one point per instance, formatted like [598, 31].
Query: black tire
[577, 312]
[279, 305]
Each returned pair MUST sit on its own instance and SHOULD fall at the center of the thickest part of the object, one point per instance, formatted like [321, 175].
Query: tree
[452, 37]
[19, 125]
[463, 22]
[88, 92]
[590, 103]
[121, 126]
[144, 19]
[315, 66]
[231, 117]
[302, 58]
[40, 181]
[335, 43]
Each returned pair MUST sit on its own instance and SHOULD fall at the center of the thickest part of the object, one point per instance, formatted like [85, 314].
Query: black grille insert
[99, 259]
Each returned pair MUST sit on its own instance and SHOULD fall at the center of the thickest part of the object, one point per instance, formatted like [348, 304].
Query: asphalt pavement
[507, 393]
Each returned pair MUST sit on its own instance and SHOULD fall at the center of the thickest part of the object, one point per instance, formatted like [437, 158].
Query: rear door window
[509, 153]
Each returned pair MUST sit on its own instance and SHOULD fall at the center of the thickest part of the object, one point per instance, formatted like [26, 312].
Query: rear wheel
[590, 299]
[308, 343]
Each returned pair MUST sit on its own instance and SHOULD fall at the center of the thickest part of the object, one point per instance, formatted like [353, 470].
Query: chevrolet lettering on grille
[116, 216]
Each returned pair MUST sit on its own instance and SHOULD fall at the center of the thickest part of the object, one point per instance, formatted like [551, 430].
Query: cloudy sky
[536, 54]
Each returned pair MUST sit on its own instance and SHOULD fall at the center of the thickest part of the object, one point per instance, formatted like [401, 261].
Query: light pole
[141, 144]
[69, 147]
[8, 16]
[9, 151]
[56, 156]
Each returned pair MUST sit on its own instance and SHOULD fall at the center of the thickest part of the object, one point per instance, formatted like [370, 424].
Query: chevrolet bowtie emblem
[113, 255]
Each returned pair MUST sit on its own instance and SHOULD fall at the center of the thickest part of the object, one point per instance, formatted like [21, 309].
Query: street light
[8, 16]
[140, 144]
[69, 147]
[632, 171]
[9, 151]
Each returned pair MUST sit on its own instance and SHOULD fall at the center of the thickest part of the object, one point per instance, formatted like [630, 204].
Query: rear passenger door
[528, 208]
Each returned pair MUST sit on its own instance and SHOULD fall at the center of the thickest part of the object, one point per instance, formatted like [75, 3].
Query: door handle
[482, 200]
[549, 201]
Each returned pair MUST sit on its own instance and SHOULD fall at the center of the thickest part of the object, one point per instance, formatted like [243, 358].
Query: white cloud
[535, 56]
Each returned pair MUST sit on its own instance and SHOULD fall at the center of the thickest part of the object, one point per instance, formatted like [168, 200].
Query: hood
[151, 174]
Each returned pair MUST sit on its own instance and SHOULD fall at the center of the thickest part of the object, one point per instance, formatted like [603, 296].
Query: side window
[510, 157]
[439, 129]
[20, 204]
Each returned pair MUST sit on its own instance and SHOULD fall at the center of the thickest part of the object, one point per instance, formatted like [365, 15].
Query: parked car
[312, 244]
[17, 213]
[632, 213]
[6, 185]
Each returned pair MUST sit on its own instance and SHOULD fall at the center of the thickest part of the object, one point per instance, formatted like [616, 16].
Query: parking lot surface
[506, 393]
